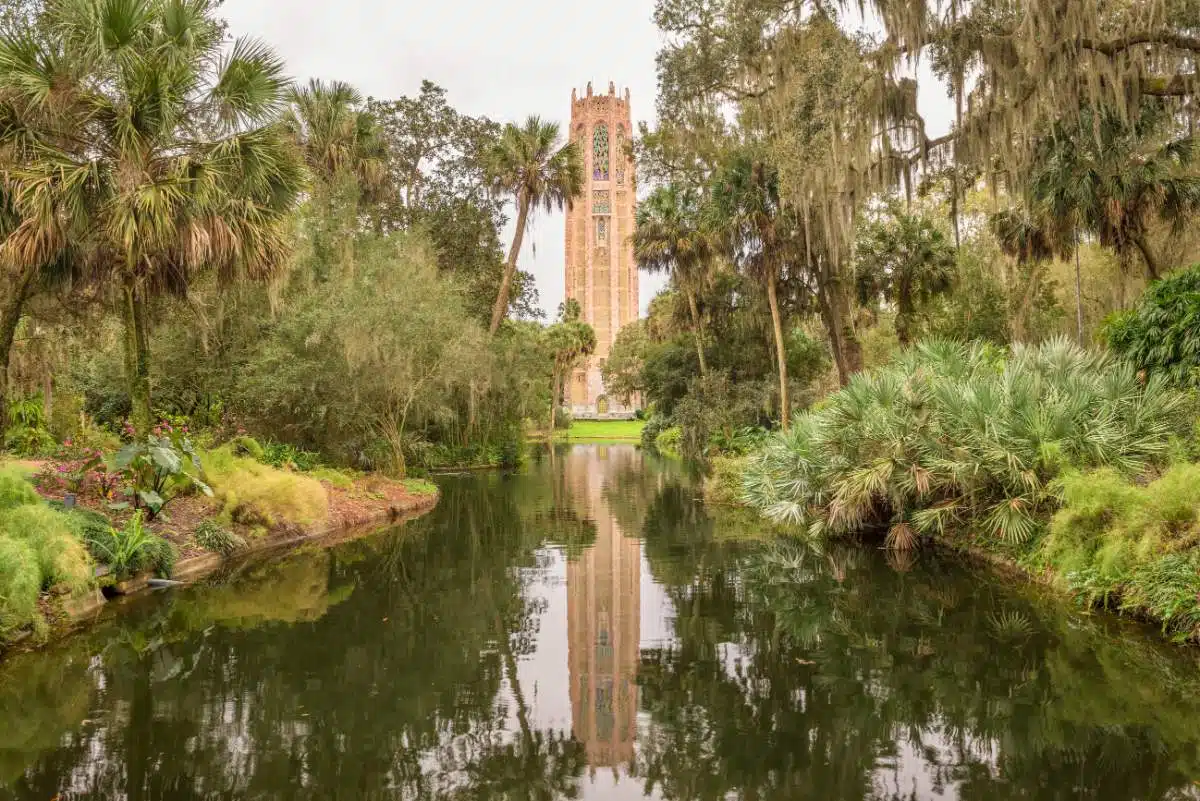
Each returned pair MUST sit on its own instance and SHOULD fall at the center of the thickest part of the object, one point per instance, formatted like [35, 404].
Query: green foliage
[20, 585]
[159, 469]
[1131, 546]
[132, 549]
[15, 489]
[724, 485]
[244, 445]
[419, 486]
[715, 410]
[342, 479]
[952, 439]
[62, 560]
[669, 441]
[1162, 333]
[211, 536]
[27, 434]
[260, 495]
[286, 456]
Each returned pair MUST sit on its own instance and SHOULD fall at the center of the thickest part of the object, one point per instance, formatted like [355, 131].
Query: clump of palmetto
[960, 438]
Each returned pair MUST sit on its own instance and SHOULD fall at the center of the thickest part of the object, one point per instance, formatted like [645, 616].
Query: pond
[585, 628]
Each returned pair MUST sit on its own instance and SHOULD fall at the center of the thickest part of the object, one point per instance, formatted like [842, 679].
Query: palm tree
[669, 238]
[344, 150]
[529, 163]
[905, 258]
[746, 203]
[336, 135]
[1031, 239]
[130, 136]
[1115, 177]
[569, 340]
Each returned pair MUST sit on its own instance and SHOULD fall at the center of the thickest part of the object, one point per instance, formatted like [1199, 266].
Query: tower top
[591, 96]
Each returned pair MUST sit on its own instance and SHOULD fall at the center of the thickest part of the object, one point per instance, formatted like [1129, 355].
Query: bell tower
[600, 271]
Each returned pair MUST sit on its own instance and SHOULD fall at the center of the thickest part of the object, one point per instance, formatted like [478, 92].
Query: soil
[370, 499]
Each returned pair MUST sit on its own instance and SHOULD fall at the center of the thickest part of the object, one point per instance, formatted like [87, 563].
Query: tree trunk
[510, 268]
[1078, 293]
[697, 330]
[835, 306]
[780, 353]
[904, 315]
[554, 393]
[137, 358]
[1152, 266]
[10, 317]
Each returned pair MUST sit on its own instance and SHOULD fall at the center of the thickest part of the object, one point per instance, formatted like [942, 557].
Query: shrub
[62, 559]
[15, 489]
[258, 494]
[20, 585]
[27, 434]
[1162, 333]
[341, 479]
[282, 455]
[955, 437]
[1130, 546]
[243, 445]
[132, 549]
[669, 440]
[160, 469]
[211, 536]
[723, 487]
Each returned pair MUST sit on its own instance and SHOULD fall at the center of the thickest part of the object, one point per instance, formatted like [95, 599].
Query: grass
[257, 494]
[419, 486]
[603, 430]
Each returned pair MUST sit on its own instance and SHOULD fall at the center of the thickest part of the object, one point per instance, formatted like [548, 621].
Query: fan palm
[746, 204]
[335, 134]
[530, 163]
[1115, 177]
[132, 137]
[905, 258]
[669, 238]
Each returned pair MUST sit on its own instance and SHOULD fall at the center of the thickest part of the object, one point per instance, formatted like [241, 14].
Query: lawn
[605, 430]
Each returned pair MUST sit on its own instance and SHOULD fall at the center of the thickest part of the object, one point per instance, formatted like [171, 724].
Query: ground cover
[600, 430]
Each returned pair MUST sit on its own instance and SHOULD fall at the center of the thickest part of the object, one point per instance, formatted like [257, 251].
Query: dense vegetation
[918, 336]
[220, 284]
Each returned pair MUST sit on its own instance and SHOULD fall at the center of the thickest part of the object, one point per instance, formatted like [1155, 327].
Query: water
[586, 630]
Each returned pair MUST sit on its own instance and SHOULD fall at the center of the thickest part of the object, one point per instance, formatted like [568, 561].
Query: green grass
[419, 486]
[603, 430]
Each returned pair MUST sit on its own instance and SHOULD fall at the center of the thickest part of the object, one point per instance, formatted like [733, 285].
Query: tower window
[620, 154]
[601, 231]
[601, 201]
[600, 153]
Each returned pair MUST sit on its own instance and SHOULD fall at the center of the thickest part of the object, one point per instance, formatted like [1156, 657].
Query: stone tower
[601, 273]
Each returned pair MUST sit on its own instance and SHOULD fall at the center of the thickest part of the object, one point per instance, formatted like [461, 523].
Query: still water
[586, 629]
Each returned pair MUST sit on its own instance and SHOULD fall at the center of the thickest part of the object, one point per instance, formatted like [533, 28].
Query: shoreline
[70, 616]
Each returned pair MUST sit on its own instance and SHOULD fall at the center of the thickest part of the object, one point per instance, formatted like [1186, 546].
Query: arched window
[601, 231]
[600, 153]
[620, 154]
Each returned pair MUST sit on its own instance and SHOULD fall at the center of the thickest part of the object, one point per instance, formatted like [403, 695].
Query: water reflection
[586, 629]
[603, 614]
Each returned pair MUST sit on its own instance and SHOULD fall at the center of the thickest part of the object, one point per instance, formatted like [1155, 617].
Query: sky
[504, 61]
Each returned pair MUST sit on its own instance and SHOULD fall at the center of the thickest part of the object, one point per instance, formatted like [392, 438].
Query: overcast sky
[500, 60]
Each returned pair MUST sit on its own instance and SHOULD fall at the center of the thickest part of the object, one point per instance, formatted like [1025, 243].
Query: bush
[1128, 546]
[20, 585]
[211, 536]
[954, 438]
[62, 559]
[669, 440]
[160, 469]
[342, 479]
[258, 494]
[723, 487]
[282, 455]
[132, 549]
[655, 425]
[27, 434]
[15, 490]
[1162, 333]
[243, 445]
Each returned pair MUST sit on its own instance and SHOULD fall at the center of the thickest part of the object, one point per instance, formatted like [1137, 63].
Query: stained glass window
[601, 231]
[601, 202]
[600, 153]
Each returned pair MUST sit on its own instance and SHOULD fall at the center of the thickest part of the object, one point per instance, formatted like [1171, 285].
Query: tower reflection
[603, 615]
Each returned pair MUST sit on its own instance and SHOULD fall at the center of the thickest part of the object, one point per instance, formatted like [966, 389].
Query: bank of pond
[585, 625]
[86, 526]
